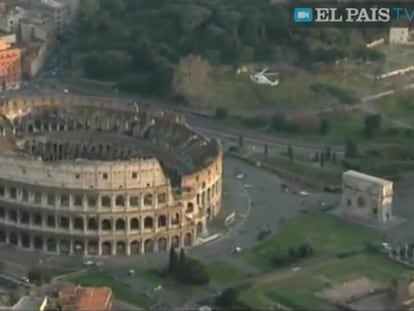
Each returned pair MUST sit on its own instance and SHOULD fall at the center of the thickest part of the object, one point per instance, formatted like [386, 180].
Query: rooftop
[30, 303]
[367, 177]
[85, 298]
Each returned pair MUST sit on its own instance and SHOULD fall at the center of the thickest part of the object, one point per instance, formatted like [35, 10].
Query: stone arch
[188, 239]
[92, 248]
[51, 245]
[38, 243]
[106, 225]
[135, 247]
[120, 248]
[209, 213]
[106, 201]
[162, 244]
[190, 207]
[2, 236]
[148, 246]
[148, 200]
[92, 224]
[2, 212]
[162, 221]
[120, 200]
[25, 239]
[30, 128]
[78, 247]
[175, 219]
[120, 225]
[78, 223]
[134, 224]
[199, 228]
[14, 240]
[175, 241]
[64, 247]
[106, 248]
[148, 222]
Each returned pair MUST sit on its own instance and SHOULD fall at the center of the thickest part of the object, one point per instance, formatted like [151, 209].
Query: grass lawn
[399, 106]
[299, 291]
[326, 234]
[148, 275]
[224, 273]
[121, 291]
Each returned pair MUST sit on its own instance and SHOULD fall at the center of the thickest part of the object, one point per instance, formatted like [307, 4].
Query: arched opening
[148, 200]
[175, 241]
[190, 208]
[188, 240]
[162, 244]
[106, 201]
[30, 128]
[106, 225]
[13, 238]
[120, 248]
[92, 224]
[78, 223]
[209, 213]
[134, 224]
[199, 228]
[2, 212]
[51, 245]
[162, 221]
[64, 246]
[148, 223]
[135, 247]
[92, 248]
[120, 200]
[175, 219]
[148, 246]
[106, 248]
[78, 247]
[120, 225]
[361, 202]
[2, 236]
[38, 243]
[25, 240]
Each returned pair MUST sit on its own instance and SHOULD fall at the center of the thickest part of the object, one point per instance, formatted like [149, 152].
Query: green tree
[220, 113]
[173, 260]
[292, 252]
[227, 298]
[324, 126]
[351, 150]
[192, 272]
[372, 124]
[290, 153]
[241, 141]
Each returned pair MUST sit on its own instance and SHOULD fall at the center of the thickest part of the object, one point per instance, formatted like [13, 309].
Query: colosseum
[92, 176]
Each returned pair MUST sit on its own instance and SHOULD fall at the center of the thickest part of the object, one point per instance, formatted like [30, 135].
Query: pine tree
[173, 260]
[290, 153]
[182, 257]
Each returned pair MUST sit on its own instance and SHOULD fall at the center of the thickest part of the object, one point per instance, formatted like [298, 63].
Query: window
[25, 195]
[13, 193]
[105, 176]
[77, 176]
[64, 200]
[51, 199]
[134, 175]
[92, 201]
[78, 200]
[37, 197]
[2, 190]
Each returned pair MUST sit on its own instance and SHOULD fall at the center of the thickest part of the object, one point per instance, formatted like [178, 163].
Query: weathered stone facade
[367, 196]
[91, 176]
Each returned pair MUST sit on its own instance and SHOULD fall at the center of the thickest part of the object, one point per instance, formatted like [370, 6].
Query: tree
[372, 124]
[305, 250]
[292, 253]
[182, 258]
[333, 158]
[240, 141]
[324, 126]
[290, 153]
[192, 79]
[351, 150]
[192, 272]
[316, 157]
[220, 113]
[173, 260]
[322, 160]
[266, 149]
[39, 276]
[328, 153]
[227, 298]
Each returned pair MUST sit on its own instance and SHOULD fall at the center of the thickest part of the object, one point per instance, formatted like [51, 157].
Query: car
[296, 269]
[237, 249]
[157, 288]
[304, 193]
[131, 272]
[25, 279]
[247, 186]
[65, 91]
[88, 263]
[240, 176]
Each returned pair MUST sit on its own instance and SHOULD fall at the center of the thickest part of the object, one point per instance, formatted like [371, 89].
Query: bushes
[39, 276]
[188, 271]
[292, 255]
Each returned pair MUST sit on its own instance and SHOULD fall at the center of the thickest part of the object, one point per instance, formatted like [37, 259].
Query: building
[34, 56]
[10, 67]
[367, 196]
[9, 38]
[79, 298]
[28, 303]
[402, 291]
[63, 11]
[399, 35]
[90, 176]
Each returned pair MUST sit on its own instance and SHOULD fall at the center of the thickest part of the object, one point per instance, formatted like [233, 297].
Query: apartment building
[10, 67]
